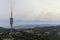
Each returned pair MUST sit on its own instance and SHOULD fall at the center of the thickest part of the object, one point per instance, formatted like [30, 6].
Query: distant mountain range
[33, 25]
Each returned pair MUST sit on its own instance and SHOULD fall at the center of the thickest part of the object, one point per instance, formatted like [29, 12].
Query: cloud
[31, 9]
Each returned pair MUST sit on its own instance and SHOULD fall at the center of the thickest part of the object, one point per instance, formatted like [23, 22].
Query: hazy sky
[45, 10]
[31, 9]
[37, 9]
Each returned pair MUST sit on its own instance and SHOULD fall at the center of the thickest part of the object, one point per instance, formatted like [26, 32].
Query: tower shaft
[11, 24]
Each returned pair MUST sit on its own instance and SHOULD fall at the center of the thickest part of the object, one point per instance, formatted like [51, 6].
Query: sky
[30, 11]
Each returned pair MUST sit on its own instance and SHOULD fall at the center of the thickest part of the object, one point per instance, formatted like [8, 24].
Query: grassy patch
[8, 39]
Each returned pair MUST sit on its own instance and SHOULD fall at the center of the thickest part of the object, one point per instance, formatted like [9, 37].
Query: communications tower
[11, 21]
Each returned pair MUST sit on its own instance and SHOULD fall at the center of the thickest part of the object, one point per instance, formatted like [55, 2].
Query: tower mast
[11, 20]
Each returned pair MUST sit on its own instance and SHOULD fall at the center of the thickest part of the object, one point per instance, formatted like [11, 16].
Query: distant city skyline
[31, 10]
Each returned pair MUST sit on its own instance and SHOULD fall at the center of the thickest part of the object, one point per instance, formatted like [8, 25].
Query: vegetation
[45, 33]
[23, 36]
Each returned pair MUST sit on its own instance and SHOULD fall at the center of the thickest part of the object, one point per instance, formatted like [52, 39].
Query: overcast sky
[45, 10]
[37, 9]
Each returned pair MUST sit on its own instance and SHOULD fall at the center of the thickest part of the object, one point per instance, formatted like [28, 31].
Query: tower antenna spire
[11, 11]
